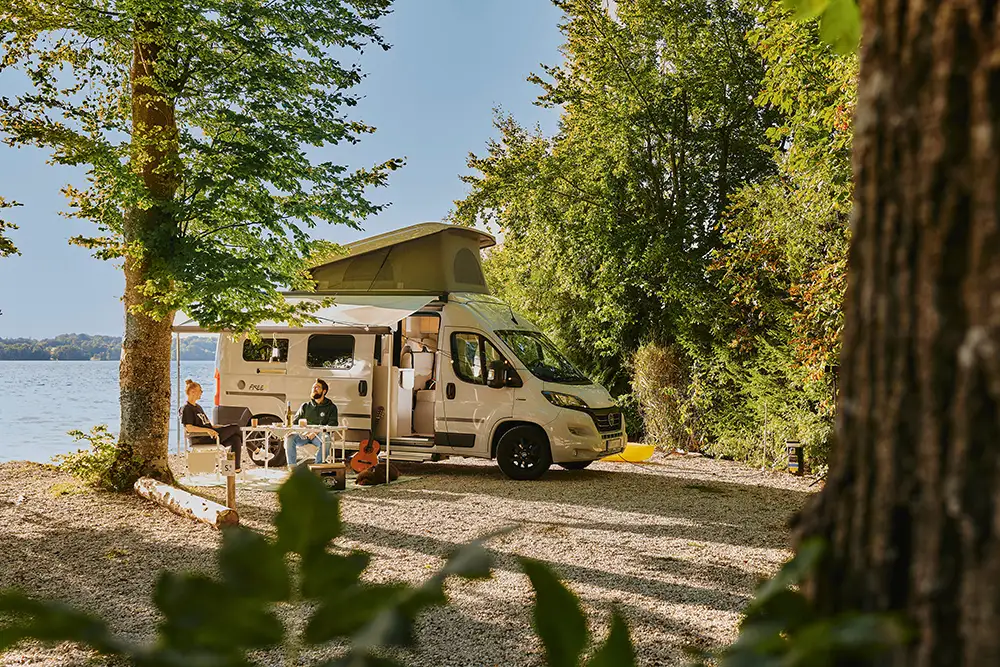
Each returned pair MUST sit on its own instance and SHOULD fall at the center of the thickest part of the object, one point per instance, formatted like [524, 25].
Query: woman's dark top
[193, 415]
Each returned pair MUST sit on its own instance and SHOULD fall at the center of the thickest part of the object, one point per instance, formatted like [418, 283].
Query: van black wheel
[275, 445]
[574, 465]
[523, 453]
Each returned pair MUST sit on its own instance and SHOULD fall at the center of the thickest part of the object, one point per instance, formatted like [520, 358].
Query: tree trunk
[145, 365]
[910, 507]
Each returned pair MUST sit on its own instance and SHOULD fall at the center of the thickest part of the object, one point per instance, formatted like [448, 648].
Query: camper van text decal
[256, 387]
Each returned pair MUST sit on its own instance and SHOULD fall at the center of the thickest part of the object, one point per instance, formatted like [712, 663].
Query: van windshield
[540, 356]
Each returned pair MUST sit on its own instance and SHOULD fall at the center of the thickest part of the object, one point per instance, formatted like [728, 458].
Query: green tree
[195, 121]
[609, 225]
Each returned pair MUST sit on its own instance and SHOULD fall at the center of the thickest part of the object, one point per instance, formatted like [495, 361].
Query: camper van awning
[350, 314]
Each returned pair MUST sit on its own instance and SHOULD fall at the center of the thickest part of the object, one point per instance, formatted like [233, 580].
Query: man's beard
[317, 396]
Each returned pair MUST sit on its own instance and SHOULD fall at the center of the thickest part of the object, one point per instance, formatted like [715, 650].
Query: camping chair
[205, 457]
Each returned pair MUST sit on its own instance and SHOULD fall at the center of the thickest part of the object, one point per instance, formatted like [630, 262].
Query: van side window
[330, 351]
[471, 355]
[264, 350]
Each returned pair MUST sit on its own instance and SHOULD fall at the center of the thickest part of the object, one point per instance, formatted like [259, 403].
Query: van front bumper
[576, 437]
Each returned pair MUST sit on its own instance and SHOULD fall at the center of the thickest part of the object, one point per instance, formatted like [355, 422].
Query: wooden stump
[186, 504]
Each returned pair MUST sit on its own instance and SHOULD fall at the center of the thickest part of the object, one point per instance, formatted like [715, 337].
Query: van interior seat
[423, 368]
[423, 412]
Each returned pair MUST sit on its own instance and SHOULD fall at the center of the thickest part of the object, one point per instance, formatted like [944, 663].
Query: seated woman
[201, 431]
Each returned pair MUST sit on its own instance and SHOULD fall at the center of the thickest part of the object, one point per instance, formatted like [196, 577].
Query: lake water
[41, 400]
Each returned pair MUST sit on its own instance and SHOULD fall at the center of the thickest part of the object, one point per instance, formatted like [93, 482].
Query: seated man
[320, 411]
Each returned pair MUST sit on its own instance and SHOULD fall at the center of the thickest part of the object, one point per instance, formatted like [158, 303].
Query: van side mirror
[496, 374]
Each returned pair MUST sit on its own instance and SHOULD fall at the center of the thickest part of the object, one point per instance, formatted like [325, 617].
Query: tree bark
[910, 507]
[144, 374]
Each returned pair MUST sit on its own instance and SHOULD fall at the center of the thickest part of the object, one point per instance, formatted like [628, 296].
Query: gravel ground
[677, 545]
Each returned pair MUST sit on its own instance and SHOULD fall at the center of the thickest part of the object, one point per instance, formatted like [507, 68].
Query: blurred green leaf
[361, 660]
[559, 620]
[309, 517]
[472, 560]
[24, 618]
[344, 612]
[617, 650]
[805, 10]
[202, 614]
[251, 566]
[786, 606]
[806, 559]
[325, 574]
[841, 26]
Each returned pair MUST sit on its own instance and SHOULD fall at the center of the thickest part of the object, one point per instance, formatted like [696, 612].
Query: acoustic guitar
[367, 455]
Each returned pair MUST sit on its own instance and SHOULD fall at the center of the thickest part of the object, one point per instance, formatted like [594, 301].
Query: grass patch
[66, 489]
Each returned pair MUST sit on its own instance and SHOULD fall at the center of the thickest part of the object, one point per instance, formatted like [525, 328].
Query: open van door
[471, 405]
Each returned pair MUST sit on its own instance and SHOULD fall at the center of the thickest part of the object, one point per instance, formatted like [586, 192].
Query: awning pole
[178, 399]
[391, 415]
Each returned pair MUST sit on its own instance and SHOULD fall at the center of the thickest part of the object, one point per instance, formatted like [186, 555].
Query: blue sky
[431, 97]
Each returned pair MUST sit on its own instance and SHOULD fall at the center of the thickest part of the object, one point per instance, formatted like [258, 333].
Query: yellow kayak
[634, 453]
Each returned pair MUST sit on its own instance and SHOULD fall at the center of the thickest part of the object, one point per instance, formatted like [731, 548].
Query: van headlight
[565, 400]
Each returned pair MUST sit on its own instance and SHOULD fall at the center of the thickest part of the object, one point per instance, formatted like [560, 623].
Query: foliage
[195, 121]
[662, 386]
[212, 621]
[607, 225]
[562, 627]
[695, 196]
[82, 347]
[839, 21]
[103, 465]
[781, 627]
[7, 247]
[783, 263]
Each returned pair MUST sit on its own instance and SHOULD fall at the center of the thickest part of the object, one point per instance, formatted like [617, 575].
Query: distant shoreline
[84, 347]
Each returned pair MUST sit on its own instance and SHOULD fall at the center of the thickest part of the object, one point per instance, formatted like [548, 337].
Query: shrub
[94, 466]
[662, 390]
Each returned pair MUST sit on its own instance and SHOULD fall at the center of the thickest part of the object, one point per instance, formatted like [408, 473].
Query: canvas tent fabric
[428, 258]
[371, 313]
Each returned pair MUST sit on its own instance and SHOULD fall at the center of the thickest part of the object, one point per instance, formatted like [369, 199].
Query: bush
[662, 390]
[95, 466]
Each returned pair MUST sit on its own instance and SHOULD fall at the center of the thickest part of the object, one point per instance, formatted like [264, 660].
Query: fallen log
[186, 504]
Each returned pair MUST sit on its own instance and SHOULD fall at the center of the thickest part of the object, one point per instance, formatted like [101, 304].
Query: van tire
[523, 453]
[574, 465]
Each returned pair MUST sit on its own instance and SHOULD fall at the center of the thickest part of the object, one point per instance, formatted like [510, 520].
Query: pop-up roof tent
[428, 258]
[383, 280]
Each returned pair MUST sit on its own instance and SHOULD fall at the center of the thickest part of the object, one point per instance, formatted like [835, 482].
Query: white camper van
[414, 330]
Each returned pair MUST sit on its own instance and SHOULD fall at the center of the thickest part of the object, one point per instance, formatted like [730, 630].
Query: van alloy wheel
[523, 453]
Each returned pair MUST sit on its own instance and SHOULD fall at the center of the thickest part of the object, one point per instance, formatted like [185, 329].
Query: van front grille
[607, 421]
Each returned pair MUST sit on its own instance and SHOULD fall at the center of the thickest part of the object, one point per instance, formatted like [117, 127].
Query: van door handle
[363, 388]
[449, 390]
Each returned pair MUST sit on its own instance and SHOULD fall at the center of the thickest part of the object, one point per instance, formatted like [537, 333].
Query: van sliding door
[345, 362]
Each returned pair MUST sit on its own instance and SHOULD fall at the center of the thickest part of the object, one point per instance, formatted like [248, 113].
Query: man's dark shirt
[193, 415]
[317, 414]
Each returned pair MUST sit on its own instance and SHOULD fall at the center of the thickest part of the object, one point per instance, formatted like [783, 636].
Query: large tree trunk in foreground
[910, 508]
[145, 366]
